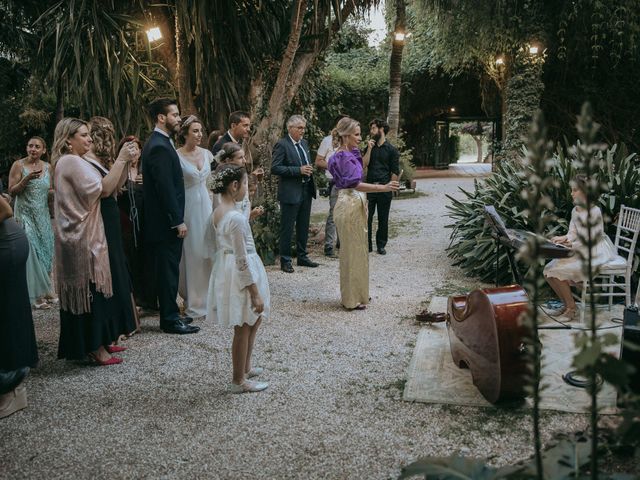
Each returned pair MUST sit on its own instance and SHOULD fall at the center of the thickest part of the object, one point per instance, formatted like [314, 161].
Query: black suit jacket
[226, 138]
[286, 164]
[163, 188]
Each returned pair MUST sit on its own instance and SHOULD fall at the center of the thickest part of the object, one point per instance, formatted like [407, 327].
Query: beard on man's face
[377, 136]
[173, 127]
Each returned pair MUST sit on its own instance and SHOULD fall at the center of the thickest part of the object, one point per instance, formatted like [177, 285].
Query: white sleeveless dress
[195, 264]
[236, 266]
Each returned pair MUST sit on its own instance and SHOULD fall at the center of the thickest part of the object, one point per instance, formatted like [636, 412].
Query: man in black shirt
[383, 167]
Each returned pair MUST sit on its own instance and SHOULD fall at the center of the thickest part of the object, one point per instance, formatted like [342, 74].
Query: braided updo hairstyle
[224, 176]
[226, 153]
[104, 140]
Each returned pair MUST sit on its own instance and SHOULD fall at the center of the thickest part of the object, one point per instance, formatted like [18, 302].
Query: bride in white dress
[195, 265]
[239, 294]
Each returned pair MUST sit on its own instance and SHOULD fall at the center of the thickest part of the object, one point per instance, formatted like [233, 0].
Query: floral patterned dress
[32, 212]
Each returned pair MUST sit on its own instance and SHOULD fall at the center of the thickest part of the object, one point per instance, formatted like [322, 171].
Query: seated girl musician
[563, 272]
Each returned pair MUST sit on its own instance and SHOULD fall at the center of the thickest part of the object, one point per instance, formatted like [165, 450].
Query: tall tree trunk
[182, 79]
[395, 73]
[522, 95]
[172, 51]
[478, 147]
[59, 100]
[271, 125]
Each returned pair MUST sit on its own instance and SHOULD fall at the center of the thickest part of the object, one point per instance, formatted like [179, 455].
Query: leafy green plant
[537, 182]
[564, 460]
[406, 158]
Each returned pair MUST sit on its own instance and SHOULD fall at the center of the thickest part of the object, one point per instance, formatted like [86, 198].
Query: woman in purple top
[350, 214]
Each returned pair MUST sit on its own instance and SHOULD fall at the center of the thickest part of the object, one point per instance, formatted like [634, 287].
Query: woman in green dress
[30, 183]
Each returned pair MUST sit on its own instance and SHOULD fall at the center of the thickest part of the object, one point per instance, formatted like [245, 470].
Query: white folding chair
[621, 267]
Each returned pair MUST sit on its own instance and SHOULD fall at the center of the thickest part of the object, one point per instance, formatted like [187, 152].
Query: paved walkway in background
[456, 170]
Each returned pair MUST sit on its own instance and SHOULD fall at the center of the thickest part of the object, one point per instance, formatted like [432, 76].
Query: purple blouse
[346, 168]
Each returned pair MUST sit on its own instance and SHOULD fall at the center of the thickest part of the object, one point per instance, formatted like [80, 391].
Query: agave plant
[472, 247]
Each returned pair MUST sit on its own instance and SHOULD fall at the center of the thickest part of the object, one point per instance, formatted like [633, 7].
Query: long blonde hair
[346, 126]
[65, 129]
[104, 140]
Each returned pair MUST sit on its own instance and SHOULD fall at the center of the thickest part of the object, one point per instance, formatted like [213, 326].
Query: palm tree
[92, 51]
[395, 73]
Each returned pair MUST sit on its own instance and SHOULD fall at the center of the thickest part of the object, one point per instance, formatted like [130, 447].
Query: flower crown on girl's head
[216, 181]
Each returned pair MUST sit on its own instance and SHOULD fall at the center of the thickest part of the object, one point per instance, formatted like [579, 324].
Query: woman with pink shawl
[87, 321]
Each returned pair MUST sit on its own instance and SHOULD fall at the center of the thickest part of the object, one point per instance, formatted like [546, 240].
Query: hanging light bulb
[400, 36]
[154, 34]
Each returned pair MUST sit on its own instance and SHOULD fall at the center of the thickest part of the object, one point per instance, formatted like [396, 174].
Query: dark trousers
[298, 214]
[383, 202]
[166, 262]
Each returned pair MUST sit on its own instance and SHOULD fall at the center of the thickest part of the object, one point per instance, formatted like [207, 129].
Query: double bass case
[487, 334]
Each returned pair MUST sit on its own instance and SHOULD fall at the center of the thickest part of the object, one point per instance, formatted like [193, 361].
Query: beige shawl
[82, 256]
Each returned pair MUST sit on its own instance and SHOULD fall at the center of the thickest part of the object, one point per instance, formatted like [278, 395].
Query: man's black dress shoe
[179, 328]
[286, 267]
[11, 379]
[186, 320]
[307, 262]
[382, 251]
[370, 249]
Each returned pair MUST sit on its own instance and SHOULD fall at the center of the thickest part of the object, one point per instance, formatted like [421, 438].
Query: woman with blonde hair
[88, 323]
[350, 213]
[30, 182]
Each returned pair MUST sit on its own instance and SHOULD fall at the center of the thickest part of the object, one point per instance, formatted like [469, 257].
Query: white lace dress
[195, 264]
[602, 252]
[236, 266]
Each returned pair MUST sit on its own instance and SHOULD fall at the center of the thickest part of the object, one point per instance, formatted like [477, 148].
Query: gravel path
[333, 409]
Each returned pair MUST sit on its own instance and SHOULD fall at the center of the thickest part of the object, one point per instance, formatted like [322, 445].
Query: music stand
[500, 233]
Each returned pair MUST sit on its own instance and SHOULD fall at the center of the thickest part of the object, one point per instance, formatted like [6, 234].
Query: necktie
[303, 160]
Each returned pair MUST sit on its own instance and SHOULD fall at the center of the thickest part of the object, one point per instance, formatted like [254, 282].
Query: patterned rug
[434, 378]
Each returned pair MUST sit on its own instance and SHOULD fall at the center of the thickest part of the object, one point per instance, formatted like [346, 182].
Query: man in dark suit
[292, 163]
[163, 188]
[239, 129]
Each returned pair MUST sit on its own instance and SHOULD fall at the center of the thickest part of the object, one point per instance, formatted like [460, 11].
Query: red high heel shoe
[115, 348]
[111, 361]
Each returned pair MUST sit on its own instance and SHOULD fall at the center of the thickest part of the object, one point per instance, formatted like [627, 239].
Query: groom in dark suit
[163, 188]
[291, 161]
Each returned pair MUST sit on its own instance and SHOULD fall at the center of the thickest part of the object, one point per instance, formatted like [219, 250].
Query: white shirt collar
[159, 130]
[231, 137]
[294, 142]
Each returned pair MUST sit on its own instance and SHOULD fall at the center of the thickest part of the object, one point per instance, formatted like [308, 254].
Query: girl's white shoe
[254, 372]
[248, 386]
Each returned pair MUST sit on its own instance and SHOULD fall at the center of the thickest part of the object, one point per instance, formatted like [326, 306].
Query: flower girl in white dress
[563, 272]
[238, 289]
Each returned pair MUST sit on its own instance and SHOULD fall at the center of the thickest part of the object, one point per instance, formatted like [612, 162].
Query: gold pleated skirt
[350, 216]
